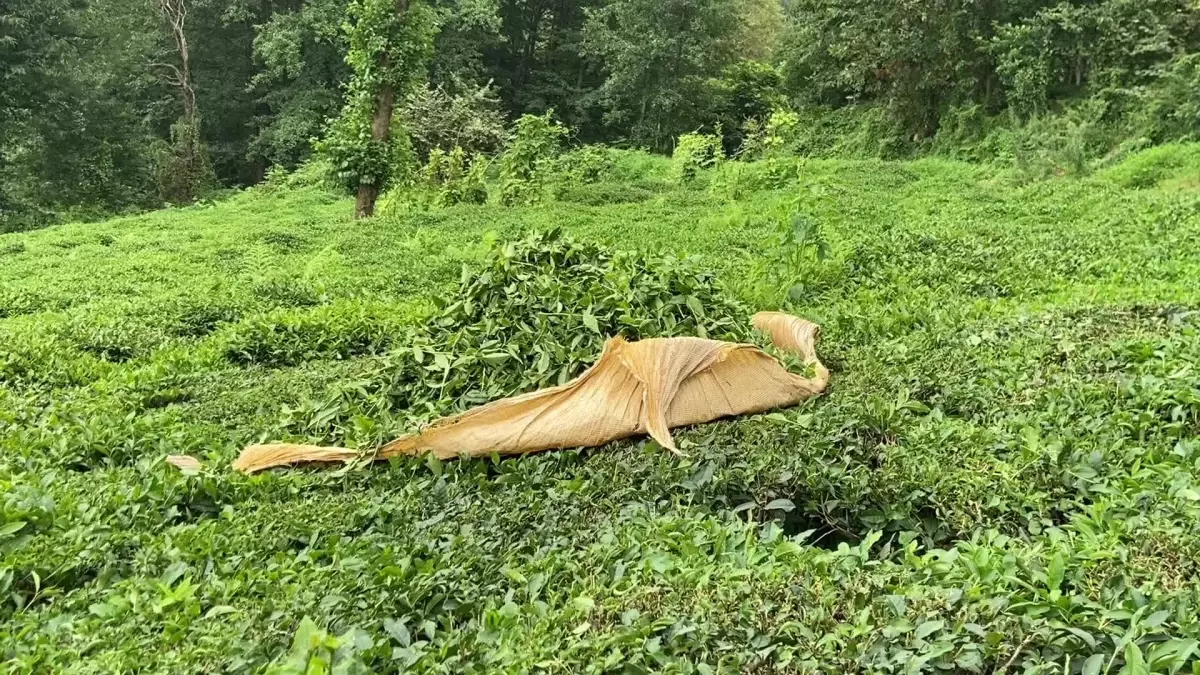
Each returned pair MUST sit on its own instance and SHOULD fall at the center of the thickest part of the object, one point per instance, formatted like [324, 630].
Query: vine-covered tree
[390, 43]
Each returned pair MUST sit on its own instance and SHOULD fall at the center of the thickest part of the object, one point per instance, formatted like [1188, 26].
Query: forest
[119, 106]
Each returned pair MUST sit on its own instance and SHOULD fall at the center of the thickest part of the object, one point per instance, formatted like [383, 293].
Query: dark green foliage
[659, 55]
[1002, 477]
[536, 59]
[91, 125]
[301, 50]
[746, 94]
[1025, 58]
[1169, 108]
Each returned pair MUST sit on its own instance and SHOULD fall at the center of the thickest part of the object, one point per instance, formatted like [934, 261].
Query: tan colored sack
[636, 388]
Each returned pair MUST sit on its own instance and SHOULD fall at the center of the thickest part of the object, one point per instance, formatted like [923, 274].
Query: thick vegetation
[1005, 474]
[118, 106]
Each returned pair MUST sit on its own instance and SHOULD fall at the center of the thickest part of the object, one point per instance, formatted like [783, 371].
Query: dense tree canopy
[93, 118]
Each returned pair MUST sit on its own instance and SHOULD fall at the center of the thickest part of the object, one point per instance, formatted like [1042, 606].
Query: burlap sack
[635, 388]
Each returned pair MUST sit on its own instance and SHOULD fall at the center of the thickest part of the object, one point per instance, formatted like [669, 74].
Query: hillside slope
[1006, 471]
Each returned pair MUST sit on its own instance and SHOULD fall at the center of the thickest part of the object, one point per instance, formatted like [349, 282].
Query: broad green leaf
[589, 320]
[218, 610]
[1156, 619]
[780, 505]
[1134, 663]
[929, 627]
[434, 464]
[1055, 571]
[398, 631]
[1093, 664]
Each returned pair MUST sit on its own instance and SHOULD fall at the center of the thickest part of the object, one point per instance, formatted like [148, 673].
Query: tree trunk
[175, 12]
[381, 126]
[381, 123]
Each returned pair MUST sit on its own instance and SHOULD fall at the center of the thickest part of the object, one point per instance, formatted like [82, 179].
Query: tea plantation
[1003, 477]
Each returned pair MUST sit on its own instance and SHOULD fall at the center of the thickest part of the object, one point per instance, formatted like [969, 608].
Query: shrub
[589, 164]
[535, 141]
[736, 180]
[183, 169]
[1154, 166]
[471, 120]
[287, 292]
[291, 337]
[693, 153]
[600, 194]
[1060, 145]
[199, 318]
[1169, 108]
[448, 179]
[770, 137]
[745, 95]
[638, 166]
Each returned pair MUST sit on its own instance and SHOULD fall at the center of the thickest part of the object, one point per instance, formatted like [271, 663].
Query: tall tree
[174, 14]
[33, 38]
[539, 63]
[300, 51]
[658, 56]
[920, 56]
[390, 44]
[184, 168]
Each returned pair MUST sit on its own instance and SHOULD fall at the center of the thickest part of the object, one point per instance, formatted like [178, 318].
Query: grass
[1005, 474]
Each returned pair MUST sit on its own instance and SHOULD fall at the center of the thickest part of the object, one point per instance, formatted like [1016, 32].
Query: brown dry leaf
[636, 388]
[185, 463]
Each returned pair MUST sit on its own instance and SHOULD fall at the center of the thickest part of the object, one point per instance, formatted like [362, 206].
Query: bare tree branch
[175, 12]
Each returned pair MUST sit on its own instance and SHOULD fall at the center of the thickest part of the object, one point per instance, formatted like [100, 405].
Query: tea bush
[1001, 478]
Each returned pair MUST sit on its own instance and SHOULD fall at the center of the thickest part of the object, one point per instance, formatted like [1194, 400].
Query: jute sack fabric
[636, 388]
